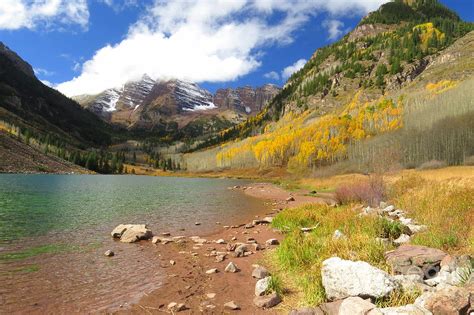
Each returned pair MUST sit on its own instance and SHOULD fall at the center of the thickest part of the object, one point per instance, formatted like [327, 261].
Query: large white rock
[344, 278]
[262, 286]
[129, 233]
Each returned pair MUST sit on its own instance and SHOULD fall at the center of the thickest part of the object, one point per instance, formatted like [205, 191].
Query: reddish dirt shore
[187, 282]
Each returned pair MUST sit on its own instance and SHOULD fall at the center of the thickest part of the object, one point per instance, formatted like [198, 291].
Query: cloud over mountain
[202, 41]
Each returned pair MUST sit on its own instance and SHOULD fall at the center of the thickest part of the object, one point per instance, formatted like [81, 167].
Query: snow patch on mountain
[191, 97]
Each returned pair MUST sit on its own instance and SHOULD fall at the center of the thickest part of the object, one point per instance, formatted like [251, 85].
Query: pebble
[109, 253]
[231, 267]
[172, 262]
[272, 241]
[211, 271]
[231, 306]
[211, 295]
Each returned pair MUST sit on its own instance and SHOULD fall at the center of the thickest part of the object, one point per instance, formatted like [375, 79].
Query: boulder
[130, 233]
[119, 229]
[356, 306]
[345, 278]
[240, 250]
[262, 286]
[231, 267]
[267, 301]
[260, 272]
[231, 306]
[331, 307]
[307, 311]
[448, 300]
[415, 259]
[410, 309]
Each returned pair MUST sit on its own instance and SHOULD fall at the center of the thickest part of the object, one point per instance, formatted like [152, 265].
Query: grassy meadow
[442, 199]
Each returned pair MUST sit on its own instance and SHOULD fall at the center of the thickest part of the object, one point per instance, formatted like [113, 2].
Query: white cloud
[272, 75]
[201, 40]
[46, 82]
[119, 5]
[43, 72]
[288, 71]
[334, 28]
[17, 14]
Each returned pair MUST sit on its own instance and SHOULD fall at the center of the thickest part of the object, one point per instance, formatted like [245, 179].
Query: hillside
[16, 156]
[383, 78]
[29, 104]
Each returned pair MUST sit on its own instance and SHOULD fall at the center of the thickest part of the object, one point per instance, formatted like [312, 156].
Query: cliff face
[245, 99]
[146, 103]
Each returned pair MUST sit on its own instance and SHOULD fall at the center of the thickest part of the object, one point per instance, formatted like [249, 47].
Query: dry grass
[447, 208]
[297, 261]
[443, 199]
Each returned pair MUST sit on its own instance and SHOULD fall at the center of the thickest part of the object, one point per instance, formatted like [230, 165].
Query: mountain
[147, 104]
[27, 103]
[246, 99]
[357, 97]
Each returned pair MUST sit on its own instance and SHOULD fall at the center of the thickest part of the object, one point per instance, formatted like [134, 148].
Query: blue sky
[88, 45]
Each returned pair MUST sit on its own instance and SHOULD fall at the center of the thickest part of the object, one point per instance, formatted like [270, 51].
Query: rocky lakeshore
[220, 272]
[225, 272]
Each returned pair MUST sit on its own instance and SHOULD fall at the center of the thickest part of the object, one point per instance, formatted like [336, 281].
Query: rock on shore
[130, 233]
[344, 278]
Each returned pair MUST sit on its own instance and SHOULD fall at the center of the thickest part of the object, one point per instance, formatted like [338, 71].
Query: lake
[54, 230]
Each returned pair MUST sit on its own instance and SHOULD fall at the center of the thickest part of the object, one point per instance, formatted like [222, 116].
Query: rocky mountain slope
[145, 104]
[399, 63]
[29, 104]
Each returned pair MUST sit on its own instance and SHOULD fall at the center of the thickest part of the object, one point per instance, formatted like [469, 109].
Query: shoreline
[186, 280]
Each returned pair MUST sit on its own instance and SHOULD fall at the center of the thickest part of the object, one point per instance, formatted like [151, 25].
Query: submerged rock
[344, 278]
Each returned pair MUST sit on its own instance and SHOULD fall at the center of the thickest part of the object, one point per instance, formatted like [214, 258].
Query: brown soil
[187, 282]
